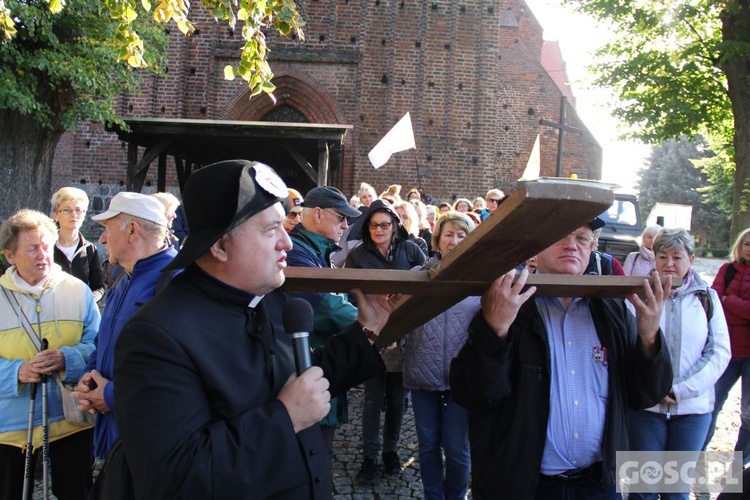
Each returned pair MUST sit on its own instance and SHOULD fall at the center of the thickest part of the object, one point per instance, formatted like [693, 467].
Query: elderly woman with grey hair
[698, 340]
[641, 263]
[48, 322]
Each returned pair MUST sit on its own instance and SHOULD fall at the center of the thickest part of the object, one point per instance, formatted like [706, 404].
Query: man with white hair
[493, 199]
[135, 229]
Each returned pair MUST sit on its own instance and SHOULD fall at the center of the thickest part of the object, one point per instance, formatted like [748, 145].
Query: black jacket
[198, 373]
[505, 386]
[85, 266]
[406, 253]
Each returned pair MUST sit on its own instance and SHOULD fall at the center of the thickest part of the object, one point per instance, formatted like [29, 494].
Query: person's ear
[131, 229]
[9, 257]
[219, 250]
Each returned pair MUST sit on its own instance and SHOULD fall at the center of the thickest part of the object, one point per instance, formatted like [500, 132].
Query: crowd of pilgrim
[703, 332]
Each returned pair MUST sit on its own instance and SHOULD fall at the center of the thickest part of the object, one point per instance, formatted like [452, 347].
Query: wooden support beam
[301, 162]
[141, 168]
[323, 159]
[313, 279]
[179, 165]
[133, 183]
[161, 177]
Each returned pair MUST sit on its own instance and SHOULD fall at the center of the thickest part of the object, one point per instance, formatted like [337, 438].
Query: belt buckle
[568, 475]
[573, 474]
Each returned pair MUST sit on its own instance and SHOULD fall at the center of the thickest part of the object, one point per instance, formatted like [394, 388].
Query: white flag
[533, 166]
[399, 138]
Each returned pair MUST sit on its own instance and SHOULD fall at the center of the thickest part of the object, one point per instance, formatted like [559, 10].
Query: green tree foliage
[673, 177]
[62, 68]
[680, 67]
[129, 15]
[60, 64]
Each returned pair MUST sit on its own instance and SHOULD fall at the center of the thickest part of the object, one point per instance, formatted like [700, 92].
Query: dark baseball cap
[329, 197]
[596, 223]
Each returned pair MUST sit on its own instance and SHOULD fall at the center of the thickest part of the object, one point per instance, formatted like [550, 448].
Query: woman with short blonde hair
[72, 251]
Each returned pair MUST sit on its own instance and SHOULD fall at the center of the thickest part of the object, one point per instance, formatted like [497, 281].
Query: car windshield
[621, 212]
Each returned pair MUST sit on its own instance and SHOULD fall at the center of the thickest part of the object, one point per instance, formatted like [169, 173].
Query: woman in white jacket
[698, 340]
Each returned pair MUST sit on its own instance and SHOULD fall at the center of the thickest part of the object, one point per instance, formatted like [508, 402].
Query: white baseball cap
[136, 204]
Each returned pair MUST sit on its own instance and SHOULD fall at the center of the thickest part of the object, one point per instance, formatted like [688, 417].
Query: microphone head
[298, 316]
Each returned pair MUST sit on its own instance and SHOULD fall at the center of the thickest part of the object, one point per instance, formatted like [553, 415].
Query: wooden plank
[311, 279]
[535, 216]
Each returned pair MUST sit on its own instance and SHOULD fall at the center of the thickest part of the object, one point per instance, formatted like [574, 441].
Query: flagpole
[419, 175]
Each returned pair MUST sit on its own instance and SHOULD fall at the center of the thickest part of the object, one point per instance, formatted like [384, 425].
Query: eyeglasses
[340, 217]
[293, 215]
[385, 226]
[582, 239]
[77, 211]
[494, 200]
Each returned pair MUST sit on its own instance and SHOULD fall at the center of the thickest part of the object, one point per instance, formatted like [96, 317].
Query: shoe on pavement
[366, 474]
[392, 462]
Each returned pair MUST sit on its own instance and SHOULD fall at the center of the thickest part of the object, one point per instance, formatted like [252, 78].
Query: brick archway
[292, 90]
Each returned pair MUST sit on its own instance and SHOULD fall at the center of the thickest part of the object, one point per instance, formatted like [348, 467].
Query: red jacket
[736, 301]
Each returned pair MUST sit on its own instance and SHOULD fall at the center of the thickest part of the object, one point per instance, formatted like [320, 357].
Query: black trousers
[70, 467]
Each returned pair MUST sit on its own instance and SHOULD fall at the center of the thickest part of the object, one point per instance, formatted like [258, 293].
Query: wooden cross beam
[538, 214]
[562, 128]
[378, 281]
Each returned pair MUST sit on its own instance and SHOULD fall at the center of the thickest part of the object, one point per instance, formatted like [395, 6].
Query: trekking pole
[45, 429]
[27, 472]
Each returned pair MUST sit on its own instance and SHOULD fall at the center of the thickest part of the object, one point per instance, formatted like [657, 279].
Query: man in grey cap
[134, 234]
[208, 406]
[324, 221]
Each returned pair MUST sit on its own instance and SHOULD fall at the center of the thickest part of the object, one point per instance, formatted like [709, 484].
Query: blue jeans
[390, 385]
[651, 431]
[442, 427]
[737, 368]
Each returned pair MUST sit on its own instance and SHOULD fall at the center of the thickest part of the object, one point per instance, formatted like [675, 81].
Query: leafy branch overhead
[253, 15]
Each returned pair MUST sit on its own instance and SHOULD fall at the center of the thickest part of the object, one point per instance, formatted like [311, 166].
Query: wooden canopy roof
[302, 153]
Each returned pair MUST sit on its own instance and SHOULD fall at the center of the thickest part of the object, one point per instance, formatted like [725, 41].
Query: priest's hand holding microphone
[305, 396]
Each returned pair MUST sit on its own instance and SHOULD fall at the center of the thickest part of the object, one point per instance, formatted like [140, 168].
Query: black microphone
[298, 322]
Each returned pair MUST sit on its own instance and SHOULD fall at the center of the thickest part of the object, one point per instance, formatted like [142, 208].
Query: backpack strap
[708, 304]
[729, 275]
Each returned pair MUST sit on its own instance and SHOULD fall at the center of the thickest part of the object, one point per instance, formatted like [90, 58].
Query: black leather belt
[593, 470]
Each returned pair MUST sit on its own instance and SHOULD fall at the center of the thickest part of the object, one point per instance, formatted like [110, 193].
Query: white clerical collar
[256, 300]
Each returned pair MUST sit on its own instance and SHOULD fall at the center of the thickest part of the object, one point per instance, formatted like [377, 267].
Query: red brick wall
[472, 81]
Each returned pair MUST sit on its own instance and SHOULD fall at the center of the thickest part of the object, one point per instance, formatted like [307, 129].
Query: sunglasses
[494, 200]
[293, 215]
[336, 214]
[383, 225]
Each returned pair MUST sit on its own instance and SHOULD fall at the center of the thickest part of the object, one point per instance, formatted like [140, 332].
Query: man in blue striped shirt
[548, 381]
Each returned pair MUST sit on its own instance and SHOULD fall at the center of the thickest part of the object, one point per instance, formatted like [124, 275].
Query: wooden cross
[538, 214]
[561, 136]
